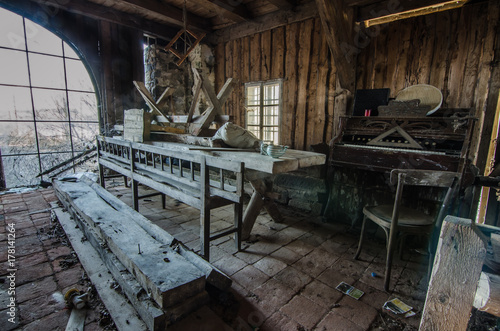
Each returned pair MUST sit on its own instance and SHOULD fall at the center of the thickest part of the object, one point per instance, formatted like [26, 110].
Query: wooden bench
[201, 181]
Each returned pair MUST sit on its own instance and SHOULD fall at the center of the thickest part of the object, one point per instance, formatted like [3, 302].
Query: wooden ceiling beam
[104, 13]
[235, 11]
[284, 4]
[352, 3]
[264, 23]
[170, 13]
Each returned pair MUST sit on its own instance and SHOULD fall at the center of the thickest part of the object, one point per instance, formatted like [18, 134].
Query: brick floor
[42, 275]
[284, 279]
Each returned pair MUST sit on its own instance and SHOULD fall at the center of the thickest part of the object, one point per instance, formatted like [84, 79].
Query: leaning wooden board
[167, 276]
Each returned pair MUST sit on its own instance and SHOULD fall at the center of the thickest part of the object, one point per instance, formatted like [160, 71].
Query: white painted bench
[201, 181]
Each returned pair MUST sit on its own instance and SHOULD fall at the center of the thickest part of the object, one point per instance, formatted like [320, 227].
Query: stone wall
[161, 72]
[305, 189]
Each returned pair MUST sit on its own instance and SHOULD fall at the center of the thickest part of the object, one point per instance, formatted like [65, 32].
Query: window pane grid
[45, 88]
[263, 103]
[49, 110]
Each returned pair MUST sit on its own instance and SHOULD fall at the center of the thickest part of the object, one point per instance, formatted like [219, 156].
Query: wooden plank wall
[452, 50]
[298, 54]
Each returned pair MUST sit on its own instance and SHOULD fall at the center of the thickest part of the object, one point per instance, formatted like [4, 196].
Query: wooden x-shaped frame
[216, 101]
[202, 84]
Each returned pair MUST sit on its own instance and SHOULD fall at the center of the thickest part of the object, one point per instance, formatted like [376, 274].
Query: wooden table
[257, 168]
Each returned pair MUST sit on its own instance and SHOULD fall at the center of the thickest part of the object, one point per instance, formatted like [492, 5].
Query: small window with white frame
[263, 109]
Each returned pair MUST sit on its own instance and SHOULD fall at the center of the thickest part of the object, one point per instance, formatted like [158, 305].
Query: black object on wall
[370, 99]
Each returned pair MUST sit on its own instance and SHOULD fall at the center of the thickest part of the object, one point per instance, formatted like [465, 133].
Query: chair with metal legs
[398, 220]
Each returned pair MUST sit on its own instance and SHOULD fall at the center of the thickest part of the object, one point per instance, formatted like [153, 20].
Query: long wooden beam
[284, 4]
[169, 13]
[455, 275]
[235, 11]
[338, 25]
[264, 23]
[92, 10]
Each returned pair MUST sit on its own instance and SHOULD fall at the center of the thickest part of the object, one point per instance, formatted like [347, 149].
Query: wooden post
[133, 183]
[457, 267]
[338, 25]
[254, 206]
[2, 174]
[100, 167]
[488, 294]
[238, 207]
[205, 210]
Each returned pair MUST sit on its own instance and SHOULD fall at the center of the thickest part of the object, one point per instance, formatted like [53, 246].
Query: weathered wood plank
[379, 62]
[392, 31]
[439, 65]
[414, 52]
[427, 49]
[455, 274]
[486, 97]
[290, 86]
[266, 54]
[228, 52]
[238, 93]
[332, 117]
[99, 265]
[321, 113]
[220, 76]
[255, 57]
[314, 115]
[278, 53]
[405, 46]
[168, 282]
[457, 69]
[473, 50]
[213, 275]
[245, 50]
[304, 57]
[338, 25]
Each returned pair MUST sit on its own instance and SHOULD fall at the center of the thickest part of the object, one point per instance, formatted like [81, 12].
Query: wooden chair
[401, 220]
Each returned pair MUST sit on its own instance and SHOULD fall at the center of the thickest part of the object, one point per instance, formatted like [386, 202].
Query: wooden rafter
[338, 23]
[170, 13]
[264, 23]
[284, 4]
[96, 11]
[235, 11]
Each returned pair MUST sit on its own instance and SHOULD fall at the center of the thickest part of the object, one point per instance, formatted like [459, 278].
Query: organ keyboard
[437, 142]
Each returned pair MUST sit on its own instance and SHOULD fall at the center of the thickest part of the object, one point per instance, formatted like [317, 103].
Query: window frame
[73, 124]
[261, 106]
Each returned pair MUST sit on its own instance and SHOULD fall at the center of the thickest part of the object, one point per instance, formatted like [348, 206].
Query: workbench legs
[258, 200]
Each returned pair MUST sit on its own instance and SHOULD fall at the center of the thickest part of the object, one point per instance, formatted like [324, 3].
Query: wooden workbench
[258, 168]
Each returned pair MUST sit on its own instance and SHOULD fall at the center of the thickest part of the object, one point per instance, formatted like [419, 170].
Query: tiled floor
[284, 279]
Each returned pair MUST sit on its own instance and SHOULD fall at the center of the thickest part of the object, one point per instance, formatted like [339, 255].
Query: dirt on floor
[479, 321]
[94, 303]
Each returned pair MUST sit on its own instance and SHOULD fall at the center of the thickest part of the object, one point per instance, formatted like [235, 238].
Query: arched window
[48, 109]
